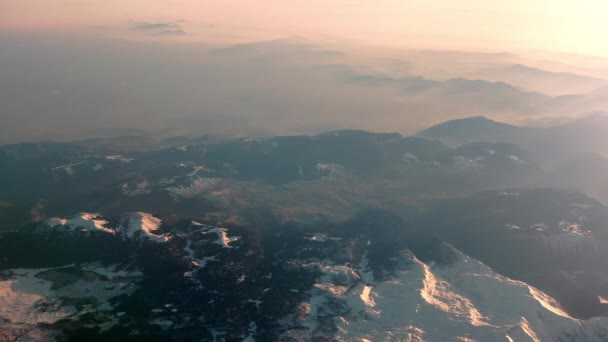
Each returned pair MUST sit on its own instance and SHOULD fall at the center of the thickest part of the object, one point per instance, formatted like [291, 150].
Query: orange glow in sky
[576, 26]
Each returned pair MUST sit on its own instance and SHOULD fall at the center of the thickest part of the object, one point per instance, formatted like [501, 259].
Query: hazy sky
[576, 26]
[83, 68]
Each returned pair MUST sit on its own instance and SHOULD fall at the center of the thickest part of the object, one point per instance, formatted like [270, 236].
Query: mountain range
[471, 230]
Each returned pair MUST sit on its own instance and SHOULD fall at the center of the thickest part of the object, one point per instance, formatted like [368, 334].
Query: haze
[77, 69]
[567, 26]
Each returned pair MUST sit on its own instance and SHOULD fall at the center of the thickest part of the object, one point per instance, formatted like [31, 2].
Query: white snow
[332, 170]
[522, 332]
[198, 187]
[365, 297]
[253, 328]
[68, 167]
[320, 237]
[141, 225]
[464, 301]
[508, 194]
[164, 324]
[138, 225]
[199, 263]
[222, 236]
[332, 288]
[573, 228]
[81, 222]
[198, 168]
[438, 293]
[27, 298]
[119, 158]
[257, 303]
[337, 274]
[540, 227]
[22, 294]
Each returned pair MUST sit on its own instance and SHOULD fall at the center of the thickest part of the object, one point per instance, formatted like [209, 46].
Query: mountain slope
[354, 281]
[586, 134]
[460, 300]
[548, 82]
[474, 129]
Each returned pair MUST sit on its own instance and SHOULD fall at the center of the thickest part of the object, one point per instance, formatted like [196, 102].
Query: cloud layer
[159, 28]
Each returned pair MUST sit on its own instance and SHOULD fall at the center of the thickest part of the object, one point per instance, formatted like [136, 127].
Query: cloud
[147, 26]
[160, 28]
[177, 32]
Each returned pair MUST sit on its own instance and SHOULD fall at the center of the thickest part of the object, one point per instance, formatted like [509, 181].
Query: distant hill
[558, 143]
[535, 79]
[474, 129]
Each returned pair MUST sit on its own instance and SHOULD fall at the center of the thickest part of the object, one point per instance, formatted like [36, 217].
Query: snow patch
[573, 228]
[320, 237]
[515, 159]
[331, 170]
[437, 293]
[252, 332]
[34, 296]
[222, 236]
[198, 187]
[68, 168]
[81, 222]
[463, 300]
[547, 302]
[365, 296]
[198, 168]
[141, 225]
[199, 263]
[508, 194]
[522, 332]
[119, 158]
[539, 227]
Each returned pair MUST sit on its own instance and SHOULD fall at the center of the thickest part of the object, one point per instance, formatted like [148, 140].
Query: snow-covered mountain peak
[141, 225]
[462, 299]
[80, 222]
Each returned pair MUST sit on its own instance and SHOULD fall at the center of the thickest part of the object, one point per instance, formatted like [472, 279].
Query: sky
[572, 26]
[72, 69]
